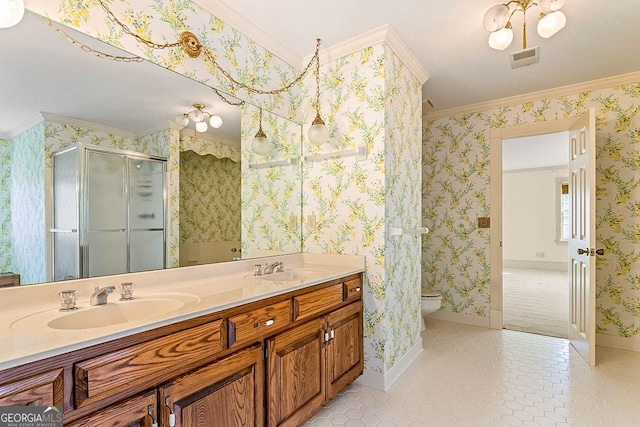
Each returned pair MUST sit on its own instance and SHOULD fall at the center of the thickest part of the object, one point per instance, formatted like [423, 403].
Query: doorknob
[583, 251]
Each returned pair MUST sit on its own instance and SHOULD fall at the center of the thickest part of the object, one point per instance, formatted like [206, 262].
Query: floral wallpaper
[28, 228]
[271, 200]
[163, 22]
[456, 190]
[209, 198]
[5, 206]
[370, 97]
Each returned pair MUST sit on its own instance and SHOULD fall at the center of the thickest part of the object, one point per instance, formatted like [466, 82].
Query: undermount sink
[113, 313]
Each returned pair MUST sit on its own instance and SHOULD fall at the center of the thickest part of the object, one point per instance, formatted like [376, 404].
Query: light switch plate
[484, 222]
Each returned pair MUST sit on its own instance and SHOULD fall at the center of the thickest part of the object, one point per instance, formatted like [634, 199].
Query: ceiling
[601, 39]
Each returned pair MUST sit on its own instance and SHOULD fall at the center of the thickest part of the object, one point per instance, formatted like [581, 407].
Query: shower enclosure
[109, 212]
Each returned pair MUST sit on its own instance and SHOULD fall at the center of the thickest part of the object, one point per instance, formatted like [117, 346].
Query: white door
[582, 265]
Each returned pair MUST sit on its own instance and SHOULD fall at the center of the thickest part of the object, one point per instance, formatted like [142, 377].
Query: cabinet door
[295, 374]
[44, 389]
[139, 411]
[228, 392]
[344, 350]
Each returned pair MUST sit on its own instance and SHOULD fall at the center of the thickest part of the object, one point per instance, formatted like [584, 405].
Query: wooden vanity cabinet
[226, 393]
[270, 362]
[140, 411]
[45, 389]
[310, 364]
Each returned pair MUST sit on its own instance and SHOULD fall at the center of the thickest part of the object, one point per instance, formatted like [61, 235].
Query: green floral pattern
[456, 191]
[209, 199]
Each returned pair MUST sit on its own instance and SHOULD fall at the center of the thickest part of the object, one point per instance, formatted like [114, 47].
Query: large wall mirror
[220, 199]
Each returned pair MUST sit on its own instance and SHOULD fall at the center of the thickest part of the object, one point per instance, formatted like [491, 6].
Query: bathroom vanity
[235, 350]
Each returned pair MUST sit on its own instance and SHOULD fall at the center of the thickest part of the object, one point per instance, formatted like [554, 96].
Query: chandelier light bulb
[500, 40]
[11, 12]
[549, 6]
[496, 18]
[196, 115]
[550, 24]
[201, 127]
[215, 121]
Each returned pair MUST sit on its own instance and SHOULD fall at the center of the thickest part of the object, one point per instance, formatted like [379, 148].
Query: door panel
[582, 297]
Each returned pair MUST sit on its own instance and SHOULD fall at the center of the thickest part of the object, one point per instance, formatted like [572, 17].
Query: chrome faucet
[276, 266]
[99, 296]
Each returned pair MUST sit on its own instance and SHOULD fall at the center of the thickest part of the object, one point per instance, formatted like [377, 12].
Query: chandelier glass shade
[261, 145]
[497, 20]
[11, 12]
[201, 118]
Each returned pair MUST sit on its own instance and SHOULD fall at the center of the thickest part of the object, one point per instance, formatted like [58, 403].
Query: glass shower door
[146, 214]
[106, 213]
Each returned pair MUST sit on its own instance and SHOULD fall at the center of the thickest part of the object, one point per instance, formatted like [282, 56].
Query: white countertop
[28, 313]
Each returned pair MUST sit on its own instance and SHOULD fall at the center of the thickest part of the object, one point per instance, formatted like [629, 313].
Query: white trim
[232, 18]
[604, 83]
[385, 381]
[536, 265]
[465, 319]
[23, 127]
[205, 137]
[384, 33]
[70, 121]
[622, 343]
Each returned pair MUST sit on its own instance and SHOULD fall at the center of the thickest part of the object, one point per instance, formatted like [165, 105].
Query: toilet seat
[431, 294]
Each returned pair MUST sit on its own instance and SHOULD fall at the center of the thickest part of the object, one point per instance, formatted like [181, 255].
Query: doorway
[535, 232]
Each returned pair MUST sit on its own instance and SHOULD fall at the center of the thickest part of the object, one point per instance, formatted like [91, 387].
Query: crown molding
[384, 33]
[591, 85]
[229, 16]
[23, 127]
[87, 125]
[209, 138]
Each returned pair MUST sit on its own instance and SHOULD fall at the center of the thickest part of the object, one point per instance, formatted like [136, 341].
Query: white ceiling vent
[525, 57]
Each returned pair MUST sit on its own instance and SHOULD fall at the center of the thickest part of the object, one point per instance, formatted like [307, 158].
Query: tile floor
[536, 301]
[471, 376]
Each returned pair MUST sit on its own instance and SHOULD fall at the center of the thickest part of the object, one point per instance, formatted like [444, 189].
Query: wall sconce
[497, 20]
[318, 132]
[11, 12]
[261, 145]
[200, 118]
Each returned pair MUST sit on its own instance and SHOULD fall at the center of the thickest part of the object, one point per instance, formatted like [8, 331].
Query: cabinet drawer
[146, 363]
[312, 303]
[257, 323]
[44, 389]
[352, 289]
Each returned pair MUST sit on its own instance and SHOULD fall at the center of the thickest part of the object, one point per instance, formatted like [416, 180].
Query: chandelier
[200, 118]
[497, 21]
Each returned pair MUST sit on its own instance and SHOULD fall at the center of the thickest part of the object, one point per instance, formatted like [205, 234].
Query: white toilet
[431, 302]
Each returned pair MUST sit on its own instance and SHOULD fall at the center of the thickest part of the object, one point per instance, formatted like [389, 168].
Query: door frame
[495, 235]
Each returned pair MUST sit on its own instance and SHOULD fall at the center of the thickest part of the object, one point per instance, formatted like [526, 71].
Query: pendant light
[11, 12]
[318, 132]
[261, 145]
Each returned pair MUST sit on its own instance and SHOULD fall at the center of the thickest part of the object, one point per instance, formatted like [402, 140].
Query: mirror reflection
[57, 97]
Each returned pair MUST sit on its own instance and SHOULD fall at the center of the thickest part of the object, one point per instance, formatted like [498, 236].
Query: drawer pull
[267, 323]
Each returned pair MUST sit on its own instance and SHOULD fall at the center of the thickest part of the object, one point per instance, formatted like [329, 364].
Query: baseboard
[536, 265]
[465, 319]
[622, 343]
[495, 319]
[386, 380]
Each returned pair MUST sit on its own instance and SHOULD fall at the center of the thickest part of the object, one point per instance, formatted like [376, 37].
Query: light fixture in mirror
[133, 107]
[200, 118]
[11, 12]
